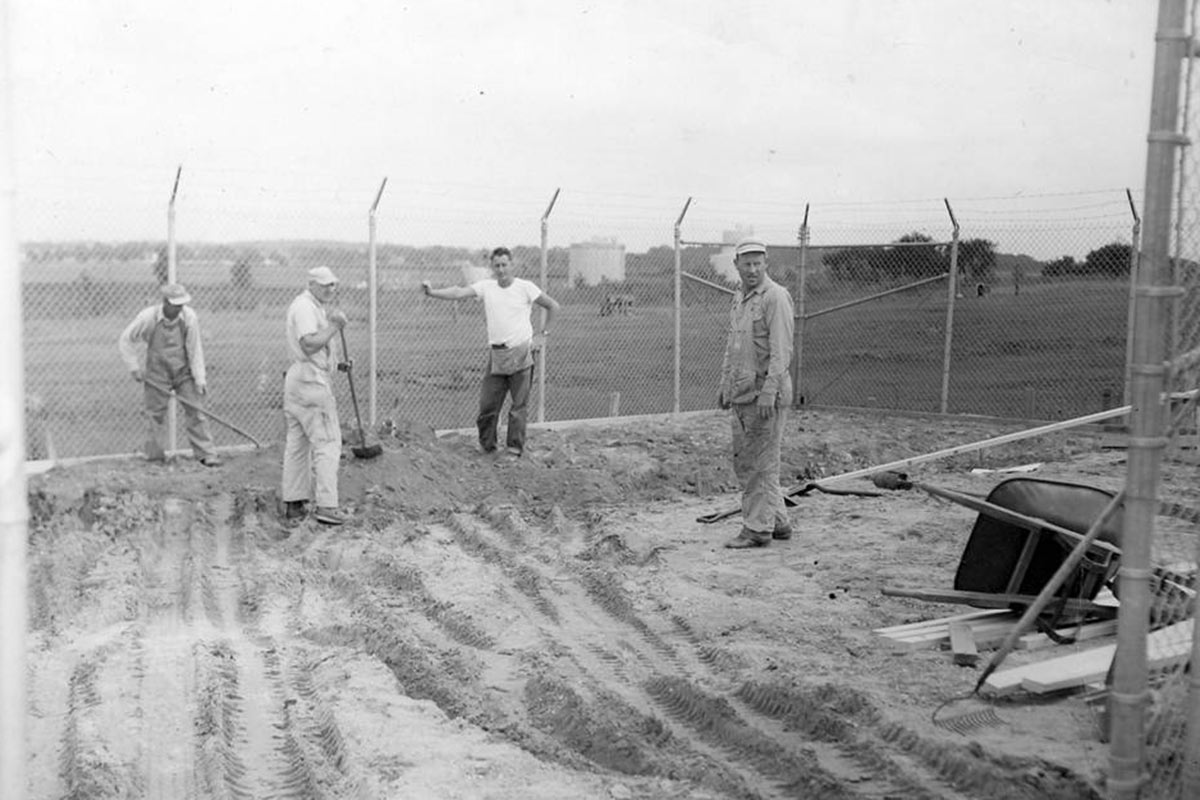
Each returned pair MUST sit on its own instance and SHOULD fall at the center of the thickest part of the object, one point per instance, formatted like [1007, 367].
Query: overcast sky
[286, 114]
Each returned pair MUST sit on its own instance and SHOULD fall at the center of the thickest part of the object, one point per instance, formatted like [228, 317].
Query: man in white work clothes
[312, 451]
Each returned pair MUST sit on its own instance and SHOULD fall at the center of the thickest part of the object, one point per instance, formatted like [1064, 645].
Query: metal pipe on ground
[950, 451]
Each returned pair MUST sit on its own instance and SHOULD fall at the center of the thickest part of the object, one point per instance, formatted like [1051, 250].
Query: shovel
[363, 450]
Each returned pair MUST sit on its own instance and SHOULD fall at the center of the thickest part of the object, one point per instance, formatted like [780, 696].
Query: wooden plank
[1165, 647]
[1174, 647]
[993, 599]
[979, 628]
[940, 621]
[962, 644]
[1091, 630]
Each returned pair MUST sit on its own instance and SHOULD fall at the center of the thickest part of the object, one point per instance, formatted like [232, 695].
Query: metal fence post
[172, 277]
[798, 327]
[14, 511]
[543, 278]
[952, 293]
[1146, 440]
[679, 303]
[1135, 254]
[372, 310]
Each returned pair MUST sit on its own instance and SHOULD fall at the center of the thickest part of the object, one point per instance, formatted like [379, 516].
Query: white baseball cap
[749, 246]
[322, 275]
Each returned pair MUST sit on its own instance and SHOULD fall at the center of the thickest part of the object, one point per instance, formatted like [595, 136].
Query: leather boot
[748, 538]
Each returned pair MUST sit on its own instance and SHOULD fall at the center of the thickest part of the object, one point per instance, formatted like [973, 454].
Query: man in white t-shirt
[313, 447]
[507, 303]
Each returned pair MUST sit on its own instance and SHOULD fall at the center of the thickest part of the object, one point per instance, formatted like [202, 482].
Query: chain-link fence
[1038, 329]
[882, 326]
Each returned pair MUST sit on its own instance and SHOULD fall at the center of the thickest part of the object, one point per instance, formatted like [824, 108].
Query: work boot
[295, 510]
[782, 531]
[328, 515]
[748, 538]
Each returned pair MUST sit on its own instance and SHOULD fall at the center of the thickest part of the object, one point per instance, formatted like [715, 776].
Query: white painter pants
[313, 447]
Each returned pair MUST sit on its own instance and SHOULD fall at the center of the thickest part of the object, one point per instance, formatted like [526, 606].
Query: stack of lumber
[1166, 647]
[987, 628]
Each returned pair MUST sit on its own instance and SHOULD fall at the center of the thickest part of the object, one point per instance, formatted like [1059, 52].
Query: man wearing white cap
[174, 361]
[757, 384]
[313, 448]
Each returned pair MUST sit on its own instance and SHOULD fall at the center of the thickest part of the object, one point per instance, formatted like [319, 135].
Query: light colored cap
[175, 294]
[322, 275]
[749, 246]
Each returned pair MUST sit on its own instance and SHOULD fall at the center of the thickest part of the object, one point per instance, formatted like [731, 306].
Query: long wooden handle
[204, 411]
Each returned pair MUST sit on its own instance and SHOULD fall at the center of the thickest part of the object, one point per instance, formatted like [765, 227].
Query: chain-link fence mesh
[1038, 330]
[1029, 337]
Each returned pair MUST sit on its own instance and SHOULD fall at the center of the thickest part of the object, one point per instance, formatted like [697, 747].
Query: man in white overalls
[174, 362]
[313, 448]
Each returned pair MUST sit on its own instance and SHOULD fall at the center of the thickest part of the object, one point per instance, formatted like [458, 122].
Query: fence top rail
[812, 246]
[700, 280]
[879, 245]
[732, 244]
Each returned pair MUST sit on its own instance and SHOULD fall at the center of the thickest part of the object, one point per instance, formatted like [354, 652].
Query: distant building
[722, 262]
[591, 263]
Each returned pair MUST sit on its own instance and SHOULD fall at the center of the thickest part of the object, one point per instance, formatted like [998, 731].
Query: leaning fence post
[951, 294]
[798, 315]
[1135, 255]
[172, 277]
[372, 309]
[679, 302]
[543, 278]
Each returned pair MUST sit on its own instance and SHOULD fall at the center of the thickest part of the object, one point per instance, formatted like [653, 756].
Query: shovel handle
[362, 437]
[202, 410]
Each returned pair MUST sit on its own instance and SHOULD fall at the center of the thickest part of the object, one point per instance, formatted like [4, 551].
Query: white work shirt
[508, 310]
[304, 316]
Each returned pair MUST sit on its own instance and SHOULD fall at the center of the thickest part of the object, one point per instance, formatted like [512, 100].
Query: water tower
[596, 261]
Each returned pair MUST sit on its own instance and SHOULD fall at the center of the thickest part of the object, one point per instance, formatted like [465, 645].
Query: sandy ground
[558, 626]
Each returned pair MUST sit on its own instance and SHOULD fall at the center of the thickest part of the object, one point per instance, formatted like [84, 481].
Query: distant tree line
[911, 257]
[1109, 261]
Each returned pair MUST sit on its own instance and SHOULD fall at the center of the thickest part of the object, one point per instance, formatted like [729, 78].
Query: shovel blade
[367, 452]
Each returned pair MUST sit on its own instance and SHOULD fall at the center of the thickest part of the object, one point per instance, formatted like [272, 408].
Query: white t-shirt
[507, 309]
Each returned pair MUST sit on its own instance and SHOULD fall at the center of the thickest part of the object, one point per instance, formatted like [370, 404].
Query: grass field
[1051, 352]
